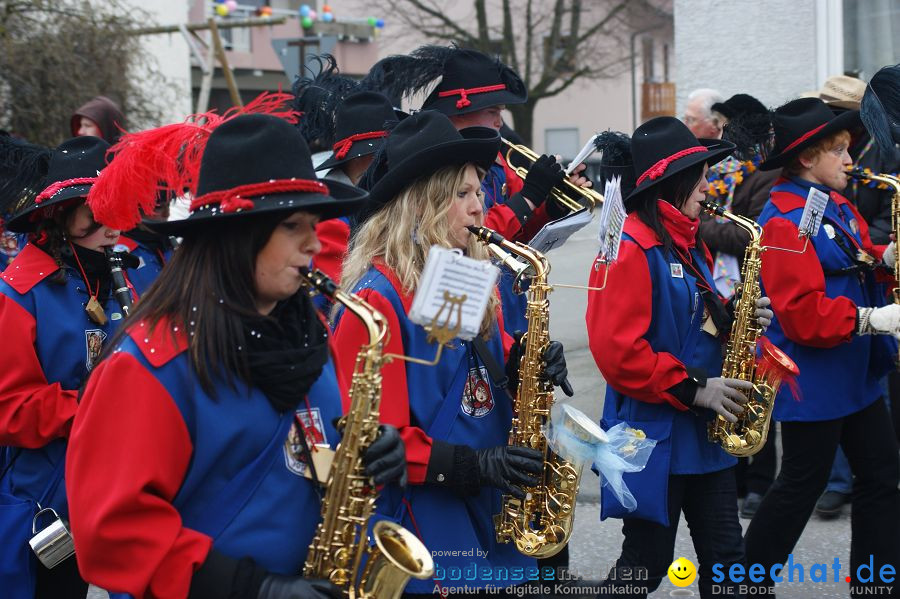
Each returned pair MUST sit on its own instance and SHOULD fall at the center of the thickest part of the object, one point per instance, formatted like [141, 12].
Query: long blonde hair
[402, 232]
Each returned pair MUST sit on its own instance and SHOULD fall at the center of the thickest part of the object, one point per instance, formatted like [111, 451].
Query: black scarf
[95, 266]
[286, 351]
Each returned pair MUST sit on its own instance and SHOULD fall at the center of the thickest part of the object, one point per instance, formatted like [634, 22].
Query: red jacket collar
[405, 298]
[643, 235]
[128, 242]
[31, 266]
[160, 345]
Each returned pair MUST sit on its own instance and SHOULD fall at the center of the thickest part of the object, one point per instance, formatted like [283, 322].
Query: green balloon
[372, 21]
[306, 22]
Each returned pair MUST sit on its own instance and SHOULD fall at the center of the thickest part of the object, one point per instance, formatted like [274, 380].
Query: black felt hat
[801, 123]
[880, 110]
[420, 145]
[740, 104]
[469, 80]
[664, 146]
[257, 163]
[359, 127]
[72, 171]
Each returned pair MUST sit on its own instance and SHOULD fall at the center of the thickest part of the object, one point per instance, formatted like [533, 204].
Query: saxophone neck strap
[495, 370]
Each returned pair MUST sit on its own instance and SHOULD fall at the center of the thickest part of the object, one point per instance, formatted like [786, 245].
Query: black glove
[275, 586]
[385, 459]
[223, 576]
[554, 365]
[506, 467]
[545, 174]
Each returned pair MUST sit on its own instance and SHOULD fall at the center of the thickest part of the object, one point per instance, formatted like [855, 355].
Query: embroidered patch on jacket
[477, 399]
[677, 270]
[314, 430]
[93, 345]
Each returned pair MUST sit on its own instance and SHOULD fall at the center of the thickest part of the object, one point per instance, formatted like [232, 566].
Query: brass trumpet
[591, 198]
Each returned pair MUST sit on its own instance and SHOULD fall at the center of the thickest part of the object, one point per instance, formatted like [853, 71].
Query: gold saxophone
[748, 435]
[540, 524]
[893, 182]
[340, 550]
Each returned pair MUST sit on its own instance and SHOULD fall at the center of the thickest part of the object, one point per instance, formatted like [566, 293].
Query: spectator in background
[698, 114]
[100, 117]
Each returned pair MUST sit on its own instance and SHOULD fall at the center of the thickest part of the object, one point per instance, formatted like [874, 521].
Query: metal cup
[54, 543]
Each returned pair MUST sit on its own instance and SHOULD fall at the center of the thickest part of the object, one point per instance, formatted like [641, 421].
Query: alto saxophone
[748, 435]
[340, 551]
[894, 183]
[540, 524]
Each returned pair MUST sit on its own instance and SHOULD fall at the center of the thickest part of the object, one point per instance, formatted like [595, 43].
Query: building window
[562, 141]
[871, 36]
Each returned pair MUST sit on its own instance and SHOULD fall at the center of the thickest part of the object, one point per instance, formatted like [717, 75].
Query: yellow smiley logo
[682, 572]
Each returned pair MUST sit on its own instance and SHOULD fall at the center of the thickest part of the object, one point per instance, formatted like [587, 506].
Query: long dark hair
[676, 190]
[207, 289]
[50, 235]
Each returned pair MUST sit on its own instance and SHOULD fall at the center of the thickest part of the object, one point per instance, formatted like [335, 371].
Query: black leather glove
[545, 174]
[385, 459]
[554, 365]
[275, 586]
[465, 470]
[506, 468]
[221, 576]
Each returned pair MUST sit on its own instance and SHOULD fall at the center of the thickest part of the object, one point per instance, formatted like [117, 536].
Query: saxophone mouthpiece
[712, 208]
[855, 173]
[486, 235]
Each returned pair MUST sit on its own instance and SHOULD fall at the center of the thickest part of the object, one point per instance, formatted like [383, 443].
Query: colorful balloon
[306, 22]
[326, 8]
[379, 23]
[304, 10]
[313, 15]
[231, 4]
[222, 10]
[372, 21]
[327, 17]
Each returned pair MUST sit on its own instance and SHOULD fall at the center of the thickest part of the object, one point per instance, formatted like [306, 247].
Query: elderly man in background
[698, 115]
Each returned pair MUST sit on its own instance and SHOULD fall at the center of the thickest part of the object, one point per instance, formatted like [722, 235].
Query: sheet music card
[811, 219]
[449, 276]
[612, 220]
[557, 232]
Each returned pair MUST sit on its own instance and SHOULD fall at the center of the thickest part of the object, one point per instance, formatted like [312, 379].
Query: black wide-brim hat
[359, 128]
[419, 146]
[73, 169]
[664, 146]
[257, 163]
[802, 123]
[473, 81]
[739, 104]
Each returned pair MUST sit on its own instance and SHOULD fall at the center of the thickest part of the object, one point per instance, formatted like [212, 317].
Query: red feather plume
[164, 159]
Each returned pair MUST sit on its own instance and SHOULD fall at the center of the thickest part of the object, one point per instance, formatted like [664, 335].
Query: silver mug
[52, 544]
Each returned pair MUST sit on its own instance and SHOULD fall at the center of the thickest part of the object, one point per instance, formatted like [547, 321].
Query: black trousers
[757, 473]
[709, 503]
[867, 438]
[62, 582]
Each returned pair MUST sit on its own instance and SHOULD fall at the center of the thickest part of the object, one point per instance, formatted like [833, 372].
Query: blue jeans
[709, 503]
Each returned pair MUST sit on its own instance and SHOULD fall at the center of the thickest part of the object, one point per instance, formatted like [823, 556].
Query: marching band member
[656, 333]
[56, 312]
[230, 383]
[832, 321]
[425, 189]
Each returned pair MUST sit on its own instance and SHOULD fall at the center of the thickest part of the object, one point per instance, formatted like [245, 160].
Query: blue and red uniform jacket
[644, 330]
[455, 401]
[51, 347]
[171, 454]
[814, 296]
[151, 263]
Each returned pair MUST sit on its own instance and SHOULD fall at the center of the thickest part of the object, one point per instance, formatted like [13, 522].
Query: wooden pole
[223, 60]
[259, 22]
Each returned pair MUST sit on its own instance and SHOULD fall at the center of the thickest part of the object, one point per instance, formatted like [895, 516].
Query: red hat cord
[343, 146]
[803, 138]
[52, 189]
[464, 93]
[659, 169]
[233, 200]
[164, 159]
